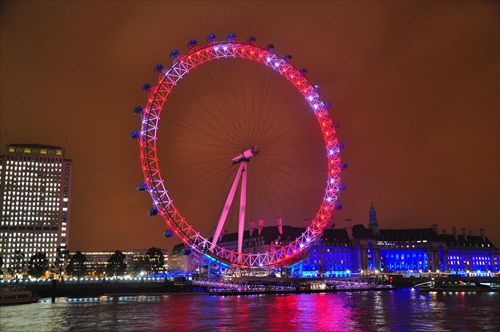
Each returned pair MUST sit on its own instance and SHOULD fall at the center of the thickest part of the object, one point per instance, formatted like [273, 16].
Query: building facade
[98, 260]
[421, 250]
[359, 250]
[35, 195]
[181, 261]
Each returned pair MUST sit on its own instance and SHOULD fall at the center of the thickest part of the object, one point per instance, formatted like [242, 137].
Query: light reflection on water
[402, 310]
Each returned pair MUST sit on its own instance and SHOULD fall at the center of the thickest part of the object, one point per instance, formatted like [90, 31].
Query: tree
[18, 263]
[116, 265]
[38, 264]
[76, 265]
[60, 262]
[156, 259]
[142, 265]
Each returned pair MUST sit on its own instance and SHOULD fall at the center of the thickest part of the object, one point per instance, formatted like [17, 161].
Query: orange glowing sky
[414, 85]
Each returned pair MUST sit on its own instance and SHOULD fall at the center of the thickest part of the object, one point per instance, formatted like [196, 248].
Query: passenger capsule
[341, 145]
[231, 37]
[211, 39]
[344, 166]
[146, 87]
[138, 110]
[270, 47]
[134, 135]
[142, 187]
[192, 43]
[303, 71]
[338, 207]
[343, 187]
[174, 54]
[168, 233]
[288, 57]
[158, 68]
[251, 40]
[153, 212]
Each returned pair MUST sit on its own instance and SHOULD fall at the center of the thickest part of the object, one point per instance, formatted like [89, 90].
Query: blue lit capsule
[142, 187]
[158, 68]
[343, 187]
[344, 166]
[303, 71]
[270, 47]
[341, 145]
[288, 57]
[231, 37]
[174, 54]
[168, 233]
[146, 87]
[138, 110]
[134, 135]
[211, 38]
[338, 206]
[251, 40]
[192, 43]
[153, 212]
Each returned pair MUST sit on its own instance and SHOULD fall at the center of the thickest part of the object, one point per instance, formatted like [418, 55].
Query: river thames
[395, 310]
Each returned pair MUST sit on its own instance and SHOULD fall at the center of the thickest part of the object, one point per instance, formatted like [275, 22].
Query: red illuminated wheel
[242, 126]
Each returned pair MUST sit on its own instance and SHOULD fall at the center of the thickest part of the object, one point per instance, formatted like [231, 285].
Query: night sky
[414, 86]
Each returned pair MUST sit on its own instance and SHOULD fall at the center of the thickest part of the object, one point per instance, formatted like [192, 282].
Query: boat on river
[16, 295]
[432, 286]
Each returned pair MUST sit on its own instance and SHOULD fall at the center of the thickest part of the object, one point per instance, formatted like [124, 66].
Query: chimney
[261, 225]
[252, 227]
[279, 221]
[470, 232]
[348, 227]
[435, 228]
[445, 231]
[481, 232]
[454, 232]
[464, 234]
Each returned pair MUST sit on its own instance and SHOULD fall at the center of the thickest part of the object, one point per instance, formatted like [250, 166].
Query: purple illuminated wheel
[234, 125]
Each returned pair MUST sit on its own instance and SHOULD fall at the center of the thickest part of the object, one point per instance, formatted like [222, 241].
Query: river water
[397, 310]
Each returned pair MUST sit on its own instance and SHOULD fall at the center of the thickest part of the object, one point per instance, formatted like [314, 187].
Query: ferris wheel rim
[162, 202]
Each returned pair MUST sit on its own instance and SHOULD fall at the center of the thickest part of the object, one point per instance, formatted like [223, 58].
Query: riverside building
[35, 195]
[358, 250]
[97, 261]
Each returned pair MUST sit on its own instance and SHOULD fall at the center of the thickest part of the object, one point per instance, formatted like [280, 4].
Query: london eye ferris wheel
[238, 123]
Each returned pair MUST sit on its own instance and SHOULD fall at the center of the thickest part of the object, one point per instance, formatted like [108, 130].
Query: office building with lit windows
[35, 195]
[98, 260]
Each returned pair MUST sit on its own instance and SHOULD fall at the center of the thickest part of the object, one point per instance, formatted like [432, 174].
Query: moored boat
[456, 287]
[16, 295]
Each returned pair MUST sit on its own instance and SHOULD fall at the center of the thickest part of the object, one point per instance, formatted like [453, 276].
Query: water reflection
[356, 311]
